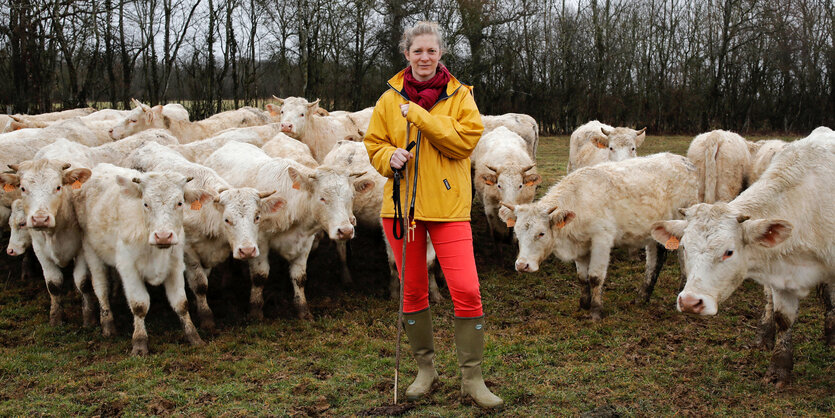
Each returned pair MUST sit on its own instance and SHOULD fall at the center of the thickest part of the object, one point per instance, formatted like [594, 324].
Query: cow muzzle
[345, 232]
[524, 266]
[42, 220]
[164, 239]
[696, 304]
[245, 253]
[286, 127]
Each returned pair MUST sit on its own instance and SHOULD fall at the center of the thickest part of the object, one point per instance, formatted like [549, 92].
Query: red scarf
[425, 93]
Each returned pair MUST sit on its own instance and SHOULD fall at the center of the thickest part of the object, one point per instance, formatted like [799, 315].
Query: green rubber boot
[469, 340]
[418, 328]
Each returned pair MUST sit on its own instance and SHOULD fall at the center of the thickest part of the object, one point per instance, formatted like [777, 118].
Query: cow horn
[641, 132]
[492, 169]
[742, 218]
[136, 180]
[525, 169]
[14, 167]
[358, 174]
[508, 205]
[262, 195]
[65, 166]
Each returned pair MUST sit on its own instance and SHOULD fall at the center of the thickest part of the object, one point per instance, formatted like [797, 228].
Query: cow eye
[179, 203]
[227, 221]
[611, 149]
[302, 115]
[541, 234]
[498, 185]
[22, 224]
[22, 189]
[257, 218]
[58, 188]
[145, 204]
[728, 254]
[520, 186]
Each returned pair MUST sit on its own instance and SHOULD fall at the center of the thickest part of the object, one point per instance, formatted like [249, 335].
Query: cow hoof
[596, 315]
[195, 340]
[779, 377]
[305, 315]
[140, 349]
[256, 314]
[208, 325]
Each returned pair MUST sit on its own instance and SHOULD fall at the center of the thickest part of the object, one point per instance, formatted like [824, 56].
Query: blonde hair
[422, 28]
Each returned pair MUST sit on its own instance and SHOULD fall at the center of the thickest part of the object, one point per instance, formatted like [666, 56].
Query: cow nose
[164, 237]
[522, 266]
[691, 304]
[345, 232]
[40, 220]
[247, 252]
[286, 127]
[10, 251]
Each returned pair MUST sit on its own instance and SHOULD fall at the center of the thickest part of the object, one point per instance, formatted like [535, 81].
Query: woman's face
[423, 56]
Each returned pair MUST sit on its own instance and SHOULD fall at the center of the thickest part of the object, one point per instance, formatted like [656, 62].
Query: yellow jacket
[449, 132]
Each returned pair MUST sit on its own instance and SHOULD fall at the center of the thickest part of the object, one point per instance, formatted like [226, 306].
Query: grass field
[543, 356]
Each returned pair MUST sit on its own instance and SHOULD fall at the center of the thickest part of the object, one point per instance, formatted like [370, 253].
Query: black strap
[395, 196]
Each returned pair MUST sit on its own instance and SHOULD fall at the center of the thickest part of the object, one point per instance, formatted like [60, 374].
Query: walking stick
[404, 230]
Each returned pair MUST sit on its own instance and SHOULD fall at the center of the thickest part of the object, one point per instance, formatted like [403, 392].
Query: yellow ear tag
[561, 224]
[599, 145]
[8, 188]
[76, 185]
[196, 205]
[672, 243]
[511, 223]
[297, 186]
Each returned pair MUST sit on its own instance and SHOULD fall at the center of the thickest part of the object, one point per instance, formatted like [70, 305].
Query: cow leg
[785, 313]
[827, 293]
[101, 287]
[198, 282]
[298, 277]
[84, 284]
[54, 285]
[139, 302]
[582, 264]
[259, 271]
[342, 250]
[656, 255]
[765, 331]
[598, 264]
[176, 292]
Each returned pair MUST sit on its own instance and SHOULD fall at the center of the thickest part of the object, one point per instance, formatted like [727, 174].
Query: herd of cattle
[163, 200]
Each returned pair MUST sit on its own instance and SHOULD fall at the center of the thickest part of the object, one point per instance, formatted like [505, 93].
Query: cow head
[511, 183]
[622, 143]
[44, 188]
[141, 118]
[293, 113]
[163, 196]
[331, 194]
[537, 227]
[20, 239]
[241, 211]
[715, 241]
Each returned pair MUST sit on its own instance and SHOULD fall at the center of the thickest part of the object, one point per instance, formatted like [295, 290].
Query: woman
[443, 113]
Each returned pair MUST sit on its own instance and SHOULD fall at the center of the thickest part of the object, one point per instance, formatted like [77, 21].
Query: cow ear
[600, 141]
[130, 187]
[195, 198]
[9, 181]
[272, 203]
[274, 110]
[363, 185]
[668, 233]
[561, 218]
[507, 213]
[489, 179]
[16, 126]
[76, 177]
[532, 179]
[766, 232]
[301, 180]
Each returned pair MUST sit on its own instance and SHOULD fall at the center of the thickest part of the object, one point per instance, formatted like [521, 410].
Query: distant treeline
[674, 66]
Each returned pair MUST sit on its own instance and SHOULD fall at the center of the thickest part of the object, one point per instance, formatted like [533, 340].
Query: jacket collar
[396, 84]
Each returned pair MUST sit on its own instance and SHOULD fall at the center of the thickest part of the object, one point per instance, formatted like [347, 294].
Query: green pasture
[543, 356]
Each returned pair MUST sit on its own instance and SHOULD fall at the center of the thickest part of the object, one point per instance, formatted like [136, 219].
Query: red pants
[453, 242]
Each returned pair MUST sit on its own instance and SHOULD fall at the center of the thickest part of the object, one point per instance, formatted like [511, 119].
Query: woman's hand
[404, 109]
[399, 158]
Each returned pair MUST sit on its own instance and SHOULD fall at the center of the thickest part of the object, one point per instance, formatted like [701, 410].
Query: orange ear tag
[76, 185]
[297, 186]
[511, 223]
[599, 145]
[196, 205]
[8, 188]
[488, 182]
[561, 224]
[672, 243]
[530, 183]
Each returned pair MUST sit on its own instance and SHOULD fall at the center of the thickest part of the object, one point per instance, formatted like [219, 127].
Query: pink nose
[522, 266]
[691, 304]
[10, 252]
[40, 220]
[164, 238]
[346, 232]
[286, 127]
[247, 252]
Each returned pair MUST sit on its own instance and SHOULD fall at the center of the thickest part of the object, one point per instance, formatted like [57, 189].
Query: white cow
[282, 146]
[134, 222]
[504, 172]
[222, 223]
[19, 239]
[319, 199]
[198, 151]
[779, 232]
[320, 133]
[523, 125]
[597, 142]
[723, 159]
[46, 187]
[596, 208]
